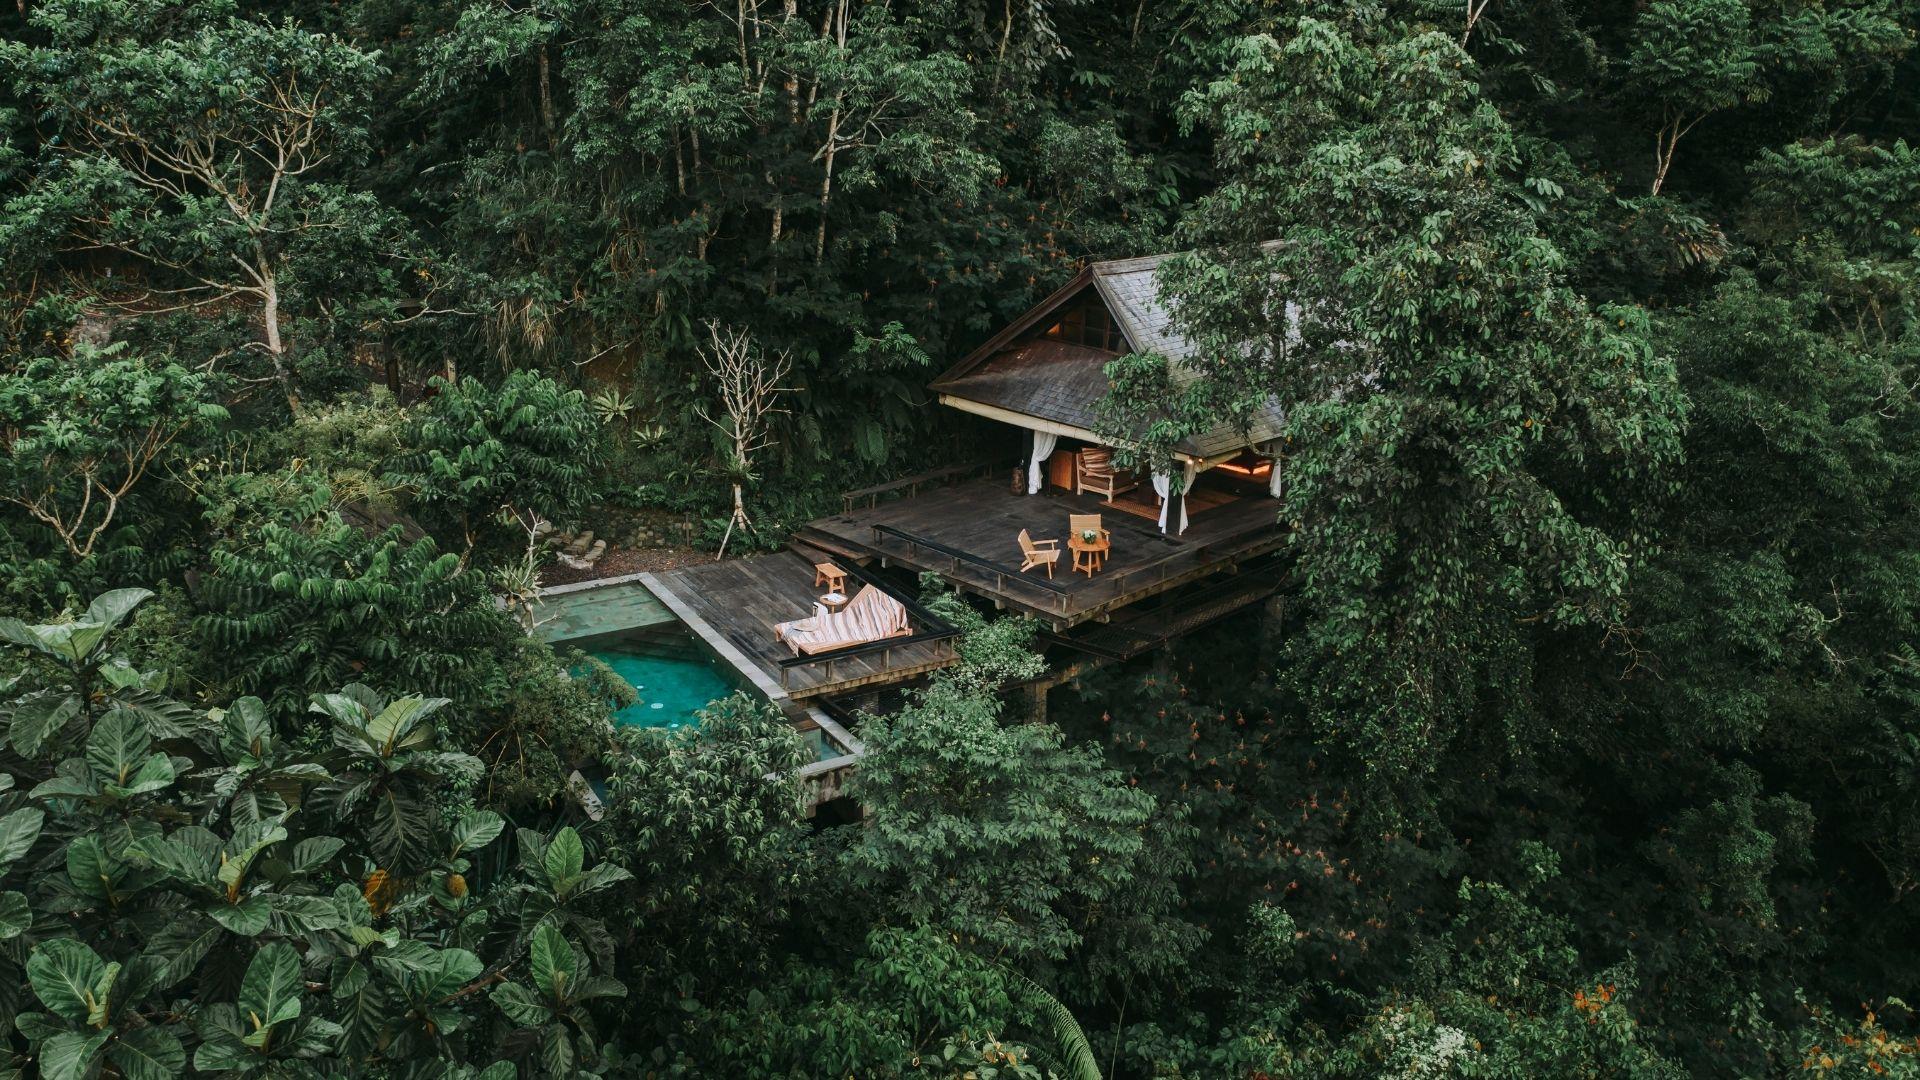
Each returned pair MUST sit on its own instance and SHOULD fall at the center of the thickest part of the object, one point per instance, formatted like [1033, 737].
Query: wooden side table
[834, 601]
[834, 578]
[1088, 555]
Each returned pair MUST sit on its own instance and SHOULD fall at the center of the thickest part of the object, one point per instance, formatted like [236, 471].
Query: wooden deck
[734, 605]
[981, 520]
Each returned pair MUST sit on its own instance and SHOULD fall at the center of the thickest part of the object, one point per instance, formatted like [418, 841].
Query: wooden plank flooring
[984, 518]
[737, 602]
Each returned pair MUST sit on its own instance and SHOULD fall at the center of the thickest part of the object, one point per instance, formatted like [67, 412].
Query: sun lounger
[870, 616]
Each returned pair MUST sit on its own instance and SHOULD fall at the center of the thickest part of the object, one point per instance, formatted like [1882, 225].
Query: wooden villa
[1044, 376]
[1150, 558]
[1169, 538]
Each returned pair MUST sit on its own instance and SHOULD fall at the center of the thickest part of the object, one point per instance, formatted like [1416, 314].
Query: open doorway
[1085, 468]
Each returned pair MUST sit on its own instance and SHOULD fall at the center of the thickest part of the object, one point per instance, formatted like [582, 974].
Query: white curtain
[1043, 442]
[1163, 486]
[1273, 478]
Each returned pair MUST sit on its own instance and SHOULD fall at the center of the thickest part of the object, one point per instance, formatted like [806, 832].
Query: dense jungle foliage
[1586, 741]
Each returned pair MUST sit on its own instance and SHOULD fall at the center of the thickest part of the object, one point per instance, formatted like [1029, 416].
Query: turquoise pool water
[673, 684]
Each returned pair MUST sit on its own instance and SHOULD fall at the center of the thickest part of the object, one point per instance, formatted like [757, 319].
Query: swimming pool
[675, 679]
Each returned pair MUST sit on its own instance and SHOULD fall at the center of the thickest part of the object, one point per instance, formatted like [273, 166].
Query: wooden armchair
[1093, 471]
[1079, 524]
[1038, 553]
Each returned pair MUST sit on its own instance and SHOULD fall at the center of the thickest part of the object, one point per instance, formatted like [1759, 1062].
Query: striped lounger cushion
[871, 616]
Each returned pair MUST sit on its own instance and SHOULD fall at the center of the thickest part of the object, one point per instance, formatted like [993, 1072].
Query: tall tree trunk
[276, 348]
[679, 161]
[1006, 34]
[835, 14]
[546, 100]
[390, 361]
[738, 519]
[826, 189]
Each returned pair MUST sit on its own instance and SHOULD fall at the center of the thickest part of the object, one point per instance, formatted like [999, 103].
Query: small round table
[1088, 555]
[834, 601]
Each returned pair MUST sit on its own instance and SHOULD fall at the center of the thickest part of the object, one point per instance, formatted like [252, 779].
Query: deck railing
[1193, 557]
[937, 629]
[1001, 572]
[911, 485]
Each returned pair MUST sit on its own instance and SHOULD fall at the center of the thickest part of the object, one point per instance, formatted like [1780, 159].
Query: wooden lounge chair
[870, 616]
[1093, 471]
[1038, 553]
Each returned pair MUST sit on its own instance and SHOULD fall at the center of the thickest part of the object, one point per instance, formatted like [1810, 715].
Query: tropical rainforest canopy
[1585, 741]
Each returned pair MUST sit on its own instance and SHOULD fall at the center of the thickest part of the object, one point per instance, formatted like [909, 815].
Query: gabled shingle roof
[1132, 295]
[1063, 383]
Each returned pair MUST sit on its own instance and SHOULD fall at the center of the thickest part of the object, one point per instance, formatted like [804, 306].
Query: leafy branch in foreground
[188, 892]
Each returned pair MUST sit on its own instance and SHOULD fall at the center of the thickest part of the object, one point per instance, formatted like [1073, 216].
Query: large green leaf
[148, 1053]
[313, 852]
[270, 992]
[178, 857]
[555, 965]
[117, 747]
[64, 973]
[246, 730]
[247, 918]
[37, 716]
[248, 843]
[178, 947]
[521, 1004]
[221, 1046]
[109, 608]
[363, 1013]
[402, 827]
[153, 774]
[406, 958]
[20, 633]
[310, 1037]
[402, 725]
[121, 675]
[556, 1051]
[16, 915]
[451, 970]
[69, 1055]
[476, 830]
[38, 1026]
[565, 856]
[350, 710]
[69, 781]
[596, 879]
[164, 717]
[597, 986]
[18, 831]
[92, 869]
[305, 914]
[74, 642]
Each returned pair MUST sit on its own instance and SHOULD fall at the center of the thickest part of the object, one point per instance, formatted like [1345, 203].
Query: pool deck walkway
[734, 605]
